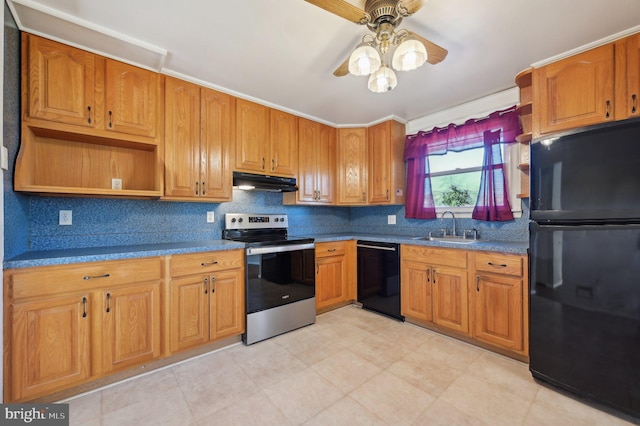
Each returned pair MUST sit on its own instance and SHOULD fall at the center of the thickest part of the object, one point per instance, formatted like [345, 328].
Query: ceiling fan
[373, 55]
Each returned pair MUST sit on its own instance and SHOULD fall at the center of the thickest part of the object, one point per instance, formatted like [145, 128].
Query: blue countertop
[59, 257]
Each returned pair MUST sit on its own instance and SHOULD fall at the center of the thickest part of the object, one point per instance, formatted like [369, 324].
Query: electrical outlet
[210, 217]
[116, 184]
[66, 217]
[391, 219]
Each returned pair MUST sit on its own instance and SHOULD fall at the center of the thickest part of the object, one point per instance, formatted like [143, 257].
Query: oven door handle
[279, 249]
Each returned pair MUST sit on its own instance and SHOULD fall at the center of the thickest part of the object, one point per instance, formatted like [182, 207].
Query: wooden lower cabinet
[51, 341]
[68, 324]
[130, 325]
[434, 286]
[500, 297]
[335, 274]
[208, 305]
[482, 295]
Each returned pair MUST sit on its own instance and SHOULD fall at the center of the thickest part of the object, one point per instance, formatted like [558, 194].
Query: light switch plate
[210, 217]
[391, 219]
[116, 184]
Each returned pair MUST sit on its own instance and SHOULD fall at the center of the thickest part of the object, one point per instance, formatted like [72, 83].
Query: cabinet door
[628, 77]
[50, 345]
[416, 290]
[227, 312]
[450, 303]
[252, 136]
[499, 311]
[330, 281]
[283, 131]
[132, 99]
[307, 161]
[130, 325]
[217, 141]
[182, 138]
[575, 92]
[352, 166]
[379, 171]
[61, 83]
[189, 311]
[326, 164]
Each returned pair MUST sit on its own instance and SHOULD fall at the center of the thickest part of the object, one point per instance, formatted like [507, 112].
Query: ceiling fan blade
[343, 69]
[435, 53]
[342, 9]
[412, 6]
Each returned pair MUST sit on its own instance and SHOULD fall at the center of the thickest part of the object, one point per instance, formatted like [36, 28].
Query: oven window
[276, 279]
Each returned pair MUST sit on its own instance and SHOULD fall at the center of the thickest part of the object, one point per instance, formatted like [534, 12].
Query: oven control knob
[240, 220]
[233, 220]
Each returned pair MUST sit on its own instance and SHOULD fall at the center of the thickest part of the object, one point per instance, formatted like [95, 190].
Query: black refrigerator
[585, 264]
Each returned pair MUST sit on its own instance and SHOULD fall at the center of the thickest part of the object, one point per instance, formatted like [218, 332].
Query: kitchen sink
[449, 239]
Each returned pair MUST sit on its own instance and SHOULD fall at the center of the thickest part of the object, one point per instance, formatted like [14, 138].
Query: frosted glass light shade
[409, 55]
[364, 60]
[383, 80]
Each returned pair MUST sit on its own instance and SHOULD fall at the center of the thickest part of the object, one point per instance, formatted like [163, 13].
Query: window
[465, 168]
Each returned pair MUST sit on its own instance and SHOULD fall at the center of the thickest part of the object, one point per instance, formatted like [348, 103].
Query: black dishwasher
[379, 277]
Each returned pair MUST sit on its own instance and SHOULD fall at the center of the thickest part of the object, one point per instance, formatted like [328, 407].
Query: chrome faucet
[454, 222]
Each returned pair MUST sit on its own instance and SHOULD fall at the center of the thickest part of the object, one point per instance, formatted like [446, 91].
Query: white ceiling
[283, 52]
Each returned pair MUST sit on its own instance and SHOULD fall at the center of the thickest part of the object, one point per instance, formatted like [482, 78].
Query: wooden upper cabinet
[283, 154]
[61, 82]
[628, 77]
[352, 166]
[386, 167]
[217, 144]
[316, 164]
[199, 139]
[252, 136]
[182, 138]
[132, 99]
[574, 92]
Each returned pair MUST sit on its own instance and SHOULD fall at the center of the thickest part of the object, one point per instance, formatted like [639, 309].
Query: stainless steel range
[280, 274]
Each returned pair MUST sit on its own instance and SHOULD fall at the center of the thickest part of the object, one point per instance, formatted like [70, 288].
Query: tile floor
[352, 367]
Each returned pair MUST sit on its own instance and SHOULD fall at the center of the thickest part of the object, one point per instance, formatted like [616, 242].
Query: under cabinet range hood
[253, 182]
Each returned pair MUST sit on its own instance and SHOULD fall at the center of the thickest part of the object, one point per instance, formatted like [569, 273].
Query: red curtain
[419, 202]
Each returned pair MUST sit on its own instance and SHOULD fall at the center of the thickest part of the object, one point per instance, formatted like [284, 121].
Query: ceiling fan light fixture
[409, 55]
[364, 60]
[383, 80]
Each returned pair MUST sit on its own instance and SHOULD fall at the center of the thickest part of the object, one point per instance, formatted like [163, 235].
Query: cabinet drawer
[435, 256]
[197, 263]
[46, 280]
[334, 248]
[499, 263]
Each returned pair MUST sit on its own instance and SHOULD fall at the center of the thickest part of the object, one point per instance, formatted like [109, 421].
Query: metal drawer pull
[500, 265]
[108, 302]
[331, 250]
[215, 262]
[90, 277]
[84, 307]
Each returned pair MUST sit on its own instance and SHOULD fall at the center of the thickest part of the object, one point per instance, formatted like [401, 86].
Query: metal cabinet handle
[203, 191]
[317, 268]
[499, 265]
[331, 250]
[213, 287]
[215, 262]
[478, 283]
[84, 307]
[433, 275]
[634, 103]
[108, 302]
[89, 116]
[197, 183]
[206, 286]
[428, 275]
[262, 163]
[273, 164]
[608, 112]
[91, 277]
[387, 195]
[110, 119]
